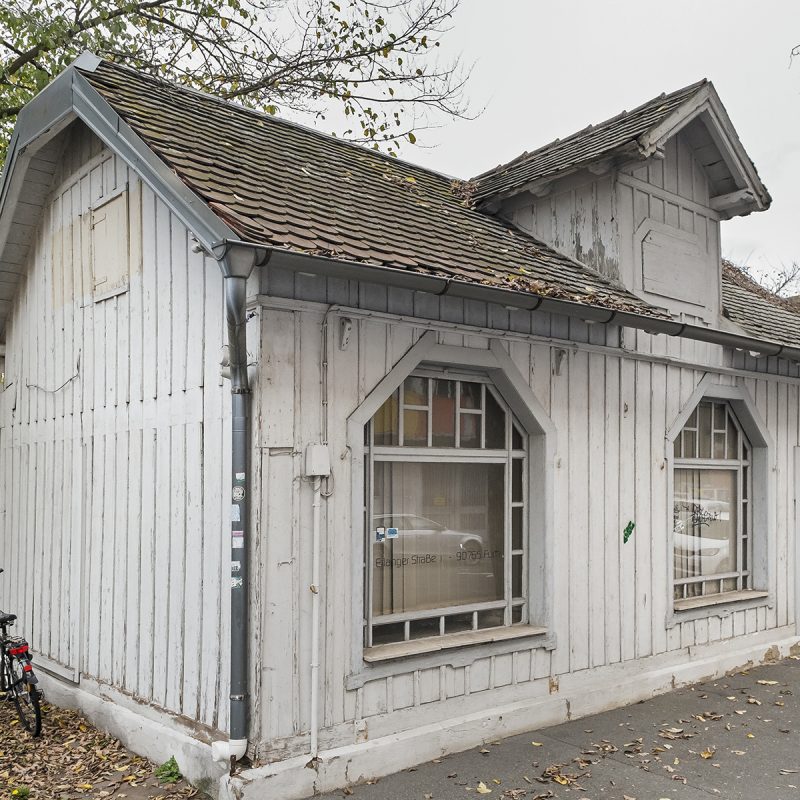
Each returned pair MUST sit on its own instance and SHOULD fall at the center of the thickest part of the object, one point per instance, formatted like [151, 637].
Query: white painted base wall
[142, 729]
[579, 694]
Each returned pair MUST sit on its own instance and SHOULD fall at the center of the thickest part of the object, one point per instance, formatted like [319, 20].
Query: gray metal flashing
[68, 97]
[368, 273]
[193, 212]
[71, 96]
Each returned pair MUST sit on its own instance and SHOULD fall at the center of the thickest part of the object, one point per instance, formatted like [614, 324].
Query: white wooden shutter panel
[110, 248]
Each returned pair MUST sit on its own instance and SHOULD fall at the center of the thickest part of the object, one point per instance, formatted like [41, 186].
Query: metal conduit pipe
[237, 264]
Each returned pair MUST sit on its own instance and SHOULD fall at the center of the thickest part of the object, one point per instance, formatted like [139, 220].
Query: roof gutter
[441, 286]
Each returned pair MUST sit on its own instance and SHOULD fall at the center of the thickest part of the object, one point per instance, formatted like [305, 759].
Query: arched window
[445, 511]
[712, 514]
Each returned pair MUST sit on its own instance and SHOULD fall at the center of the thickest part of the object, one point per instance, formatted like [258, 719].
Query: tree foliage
[376, 60]
[783, 281]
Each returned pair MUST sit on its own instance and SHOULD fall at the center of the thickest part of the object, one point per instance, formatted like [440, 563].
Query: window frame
[741, 466]
[399, 453]
[762, 498]
[492, 358]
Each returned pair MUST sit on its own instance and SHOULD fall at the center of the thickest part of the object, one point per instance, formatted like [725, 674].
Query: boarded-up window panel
[110, 247]
[673, 265]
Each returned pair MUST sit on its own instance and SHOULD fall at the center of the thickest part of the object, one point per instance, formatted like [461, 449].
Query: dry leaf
[536, 744]
[768, 683]
[482, 788]
[707, 753]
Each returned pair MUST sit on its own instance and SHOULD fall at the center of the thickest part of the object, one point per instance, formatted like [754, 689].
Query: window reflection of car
[699, 555]
[422, 537]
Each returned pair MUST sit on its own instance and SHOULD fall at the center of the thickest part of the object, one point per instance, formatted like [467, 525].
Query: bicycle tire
[25, 698]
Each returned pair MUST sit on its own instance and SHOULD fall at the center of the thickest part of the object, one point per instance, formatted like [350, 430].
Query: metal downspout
[237, 264]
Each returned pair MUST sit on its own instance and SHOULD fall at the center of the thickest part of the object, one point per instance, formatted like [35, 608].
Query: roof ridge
[273, 118]
[692, 87]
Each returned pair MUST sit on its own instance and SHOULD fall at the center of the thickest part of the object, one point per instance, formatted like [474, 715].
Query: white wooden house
[483, 455]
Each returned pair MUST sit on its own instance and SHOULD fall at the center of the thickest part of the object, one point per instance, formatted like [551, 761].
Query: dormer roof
[639, 135]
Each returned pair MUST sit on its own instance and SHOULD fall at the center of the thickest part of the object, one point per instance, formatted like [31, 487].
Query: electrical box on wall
[318, 462]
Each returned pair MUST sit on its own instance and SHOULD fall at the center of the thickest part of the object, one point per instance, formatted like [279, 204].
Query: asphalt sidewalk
[737, 738]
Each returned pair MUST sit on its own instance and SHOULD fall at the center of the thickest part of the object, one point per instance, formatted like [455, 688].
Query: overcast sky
[546, 69]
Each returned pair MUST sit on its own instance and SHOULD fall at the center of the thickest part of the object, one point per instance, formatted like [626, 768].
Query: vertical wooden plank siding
[612, 601]
[112, 456]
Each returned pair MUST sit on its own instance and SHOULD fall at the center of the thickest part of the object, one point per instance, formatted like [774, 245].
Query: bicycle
[17, 679]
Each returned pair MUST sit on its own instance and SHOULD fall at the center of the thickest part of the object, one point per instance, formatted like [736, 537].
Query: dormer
[639, 197]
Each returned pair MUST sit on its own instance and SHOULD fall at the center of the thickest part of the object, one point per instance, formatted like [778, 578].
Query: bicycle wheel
[25, 697]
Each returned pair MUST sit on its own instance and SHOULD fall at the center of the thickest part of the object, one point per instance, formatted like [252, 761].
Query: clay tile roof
[758, 311]
[593, 143]
[281, 184]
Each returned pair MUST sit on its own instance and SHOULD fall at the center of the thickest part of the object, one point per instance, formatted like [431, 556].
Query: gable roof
[639, 134]
[284, 185]
[756, 310]
[234, 176]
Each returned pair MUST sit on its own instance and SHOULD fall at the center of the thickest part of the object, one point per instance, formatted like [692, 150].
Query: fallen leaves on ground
[72, 759]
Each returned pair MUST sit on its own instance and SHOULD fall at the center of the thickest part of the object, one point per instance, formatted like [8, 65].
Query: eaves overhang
[706, 107]
[744, 192]
[733, 337]
[67, 98]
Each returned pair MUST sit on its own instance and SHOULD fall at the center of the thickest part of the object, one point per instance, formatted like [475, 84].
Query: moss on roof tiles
[281, 184]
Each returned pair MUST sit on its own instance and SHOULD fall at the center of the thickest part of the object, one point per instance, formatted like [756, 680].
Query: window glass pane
[720, 417]
[729, 585]
[415, 391]
[458, 623]
[677, 449]
[385, 422]
[704, 519]
[745, 555]
[470, 430]
[495, 423]
[704, 435]
[516, 576]
[516, 528]
[383, 634]
[516, 614]
[470, 395]
[422, 628]
[444, 413]
[491, 619]
[719, 445]
[517, 442]
[415, 428]
[733, 439]
[690, 444]
[516, 480]
[449, 546]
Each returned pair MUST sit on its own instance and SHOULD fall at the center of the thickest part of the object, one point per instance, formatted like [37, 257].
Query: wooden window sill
[723, 598]
[386, 652]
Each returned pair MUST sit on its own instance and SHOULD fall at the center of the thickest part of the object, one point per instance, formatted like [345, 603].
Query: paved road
[735, 739]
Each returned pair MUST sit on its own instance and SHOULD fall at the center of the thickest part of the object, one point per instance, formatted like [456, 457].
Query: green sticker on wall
[628, 532]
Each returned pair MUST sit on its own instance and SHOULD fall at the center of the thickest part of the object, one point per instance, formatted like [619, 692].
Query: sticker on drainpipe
[238, 494]
[237, 540]
[628, 532]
